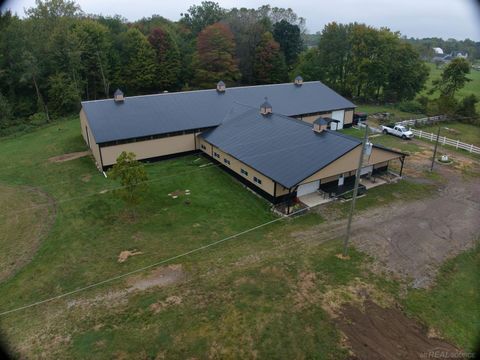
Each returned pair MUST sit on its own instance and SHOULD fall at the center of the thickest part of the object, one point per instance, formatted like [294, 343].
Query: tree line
[57, 56]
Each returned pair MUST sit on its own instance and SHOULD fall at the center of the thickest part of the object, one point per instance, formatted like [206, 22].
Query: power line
[108, 280]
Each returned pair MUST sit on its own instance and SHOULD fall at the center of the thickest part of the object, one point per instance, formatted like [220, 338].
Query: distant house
[446, 58]
[282, 148]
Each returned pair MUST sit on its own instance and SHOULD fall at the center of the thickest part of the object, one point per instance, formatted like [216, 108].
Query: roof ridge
[202, 90]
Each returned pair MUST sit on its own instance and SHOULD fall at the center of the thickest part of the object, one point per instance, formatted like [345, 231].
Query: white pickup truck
[397, 130]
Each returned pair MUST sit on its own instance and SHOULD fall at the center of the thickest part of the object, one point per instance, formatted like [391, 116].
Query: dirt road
[412, 239]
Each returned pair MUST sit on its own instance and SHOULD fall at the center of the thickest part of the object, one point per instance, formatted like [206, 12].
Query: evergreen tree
[214, 59]
[290, 40]
[137, 63]
[269, 66]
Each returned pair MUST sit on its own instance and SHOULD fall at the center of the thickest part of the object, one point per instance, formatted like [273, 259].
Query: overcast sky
[457, 19]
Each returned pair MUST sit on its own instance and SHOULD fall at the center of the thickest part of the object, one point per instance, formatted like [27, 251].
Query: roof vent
[221, 87]
[320, 125]
[118, 96]
[298, 81]
[266, 108]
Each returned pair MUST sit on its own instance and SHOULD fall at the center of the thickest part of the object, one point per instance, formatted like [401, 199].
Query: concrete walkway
[314, 199]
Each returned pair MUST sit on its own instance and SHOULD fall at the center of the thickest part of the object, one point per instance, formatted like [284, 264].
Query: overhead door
[338, 115]
[308, 188]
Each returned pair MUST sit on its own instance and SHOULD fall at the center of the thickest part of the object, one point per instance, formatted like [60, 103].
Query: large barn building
[281, 147]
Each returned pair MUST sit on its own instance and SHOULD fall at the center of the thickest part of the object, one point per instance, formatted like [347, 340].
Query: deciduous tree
[454, 77]
[168, 58]
[269, 65]
[215, 56]
[132, 177]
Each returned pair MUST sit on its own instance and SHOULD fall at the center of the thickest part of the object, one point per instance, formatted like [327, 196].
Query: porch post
[402, 160]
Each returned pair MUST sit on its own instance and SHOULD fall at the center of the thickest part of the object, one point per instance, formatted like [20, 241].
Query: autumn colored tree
[215, 56]
[269, 66]
[168, 58]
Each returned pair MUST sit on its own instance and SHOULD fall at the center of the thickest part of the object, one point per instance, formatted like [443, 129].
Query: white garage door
[308, 188]
[339, 115]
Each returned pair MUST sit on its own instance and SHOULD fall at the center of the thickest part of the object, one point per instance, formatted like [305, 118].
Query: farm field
[471, 87]
[274, 290]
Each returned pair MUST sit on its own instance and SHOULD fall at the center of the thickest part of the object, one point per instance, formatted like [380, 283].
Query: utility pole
[435, 148]
[355, 192]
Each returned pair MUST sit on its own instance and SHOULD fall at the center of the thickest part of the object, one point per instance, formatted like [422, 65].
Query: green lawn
[472, 87]
[389, 141]
[397, 114]
[247, 297]
[452, 306]
[466, 133]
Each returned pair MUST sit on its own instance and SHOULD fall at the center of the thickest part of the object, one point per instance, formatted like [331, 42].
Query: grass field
[453, 301]
[248, 297]
[466, 133]
[471, 87]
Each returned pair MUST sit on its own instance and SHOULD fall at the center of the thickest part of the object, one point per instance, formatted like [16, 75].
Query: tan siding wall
[348, 118]
[348, 164]
[379, 165]
[310, 119]
[150, 148]
[267, 185]
[380, 156]
[91, 139]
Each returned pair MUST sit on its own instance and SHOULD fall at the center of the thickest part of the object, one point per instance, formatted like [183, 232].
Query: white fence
[423, 121]
[443, 140]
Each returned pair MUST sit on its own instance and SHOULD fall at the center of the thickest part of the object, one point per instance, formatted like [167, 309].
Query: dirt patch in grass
[68, 157]
[162, 276]
[27, 217]
[306, 293]
[169, 301]
[374, 332]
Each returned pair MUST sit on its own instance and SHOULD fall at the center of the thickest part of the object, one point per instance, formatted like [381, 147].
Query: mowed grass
[467, 133]
[471, 87]
[256, 295]
[389, 141]
[452, 306]
[91, 228]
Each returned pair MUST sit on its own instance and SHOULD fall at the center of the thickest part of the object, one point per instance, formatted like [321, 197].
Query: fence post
[420, 135]
[431, 136]
[444, 140]
[458, 142]
[471, 147]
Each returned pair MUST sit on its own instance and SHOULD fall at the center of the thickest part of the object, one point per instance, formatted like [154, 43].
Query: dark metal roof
[118, 92]
[321, 121]
[140, 116]
[284, 149]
